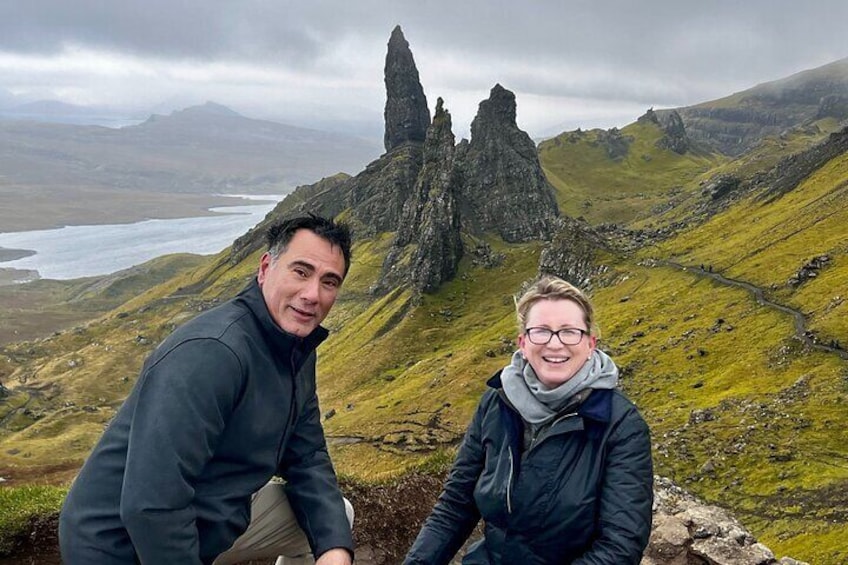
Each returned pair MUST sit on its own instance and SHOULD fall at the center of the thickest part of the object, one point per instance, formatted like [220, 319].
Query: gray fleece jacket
[224, 403]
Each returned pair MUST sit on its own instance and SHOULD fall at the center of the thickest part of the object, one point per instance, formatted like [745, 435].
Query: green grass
[402, 378]
[778, 238]
[773, 406]
[600, 189]
[20, 506]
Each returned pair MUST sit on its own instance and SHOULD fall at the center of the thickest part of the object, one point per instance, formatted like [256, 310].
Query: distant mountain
[54, 111]
[219, 124]
[203, 149]
[736, 123]
[7, 98]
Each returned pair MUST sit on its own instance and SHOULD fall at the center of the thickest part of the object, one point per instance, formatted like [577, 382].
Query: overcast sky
[571, 64]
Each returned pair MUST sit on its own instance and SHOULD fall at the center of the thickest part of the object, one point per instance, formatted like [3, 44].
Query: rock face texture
[570, 254]
[376, 196]
[503, 188]
[407, 116]
[675, 137]
[428, 247]
[430, 192]
[688, 532]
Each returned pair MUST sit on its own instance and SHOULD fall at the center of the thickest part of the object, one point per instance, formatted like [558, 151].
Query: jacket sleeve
[455, 514]
[183, 403]
[624, 521]
[311, 485]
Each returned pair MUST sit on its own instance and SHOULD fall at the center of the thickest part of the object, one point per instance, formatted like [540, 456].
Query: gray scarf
[538, 404]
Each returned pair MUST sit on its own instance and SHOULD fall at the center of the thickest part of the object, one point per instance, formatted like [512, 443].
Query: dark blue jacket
[582, 493]
[224, 403]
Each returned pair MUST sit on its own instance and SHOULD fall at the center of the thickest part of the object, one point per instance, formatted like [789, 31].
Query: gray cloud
[658, 52]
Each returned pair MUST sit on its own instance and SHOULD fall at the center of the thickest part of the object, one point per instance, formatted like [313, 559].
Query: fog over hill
[736, 123]
[57, 173]
[200, 149]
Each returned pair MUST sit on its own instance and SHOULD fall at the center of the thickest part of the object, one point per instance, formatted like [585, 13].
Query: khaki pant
[273, 531]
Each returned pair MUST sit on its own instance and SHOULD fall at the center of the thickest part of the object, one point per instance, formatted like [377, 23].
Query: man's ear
[264, 264]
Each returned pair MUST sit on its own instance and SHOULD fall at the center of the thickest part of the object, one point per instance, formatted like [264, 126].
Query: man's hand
[335, 556]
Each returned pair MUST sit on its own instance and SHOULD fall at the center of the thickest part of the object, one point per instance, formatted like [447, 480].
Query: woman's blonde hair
[550, 287]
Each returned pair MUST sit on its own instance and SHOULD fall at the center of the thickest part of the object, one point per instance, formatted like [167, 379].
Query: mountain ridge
[736, 123]
[133, 171]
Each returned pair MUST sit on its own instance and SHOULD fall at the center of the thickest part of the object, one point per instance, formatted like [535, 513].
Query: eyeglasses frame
[555, 333]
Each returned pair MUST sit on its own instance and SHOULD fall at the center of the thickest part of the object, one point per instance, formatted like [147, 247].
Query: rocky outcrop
[809, 270]
[503, 189]
[686, 531]
[674, 131]
[791, 170]
[615, 143]
[428, 247]
[721, 186]
[430, 192]
[724, 189]
[376, 196]
[407, 115]
[571, 253]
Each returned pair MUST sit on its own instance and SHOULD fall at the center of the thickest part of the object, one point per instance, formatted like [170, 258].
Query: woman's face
[555, 363]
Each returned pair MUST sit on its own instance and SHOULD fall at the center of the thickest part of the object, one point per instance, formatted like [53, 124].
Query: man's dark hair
[281, 233]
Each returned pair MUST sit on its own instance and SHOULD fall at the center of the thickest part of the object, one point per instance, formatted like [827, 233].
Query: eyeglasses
[566, 336]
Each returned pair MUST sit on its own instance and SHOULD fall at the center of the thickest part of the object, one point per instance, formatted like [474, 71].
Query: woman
[556, 461]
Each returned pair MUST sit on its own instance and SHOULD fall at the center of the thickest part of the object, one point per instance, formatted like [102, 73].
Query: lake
[83, 251]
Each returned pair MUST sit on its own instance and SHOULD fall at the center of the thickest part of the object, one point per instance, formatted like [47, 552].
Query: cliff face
[735, 124]
[428, 246]
[431, 192]
[407, 116]
[504, 190]
[494, 184]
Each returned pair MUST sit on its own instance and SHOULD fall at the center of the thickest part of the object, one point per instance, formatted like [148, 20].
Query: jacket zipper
[509, 484]
[544, 436]
[292, 414]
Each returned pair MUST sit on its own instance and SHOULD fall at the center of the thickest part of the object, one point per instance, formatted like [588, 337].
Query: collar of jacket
[597, 407]
[283, 342]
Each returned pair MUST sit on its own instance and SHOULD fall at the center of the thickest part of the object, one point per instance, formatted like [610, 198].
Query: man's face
[300, 286]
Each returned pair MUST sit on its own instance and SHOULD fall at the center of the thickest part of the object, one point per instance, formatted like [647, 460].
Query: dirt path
[800, 321]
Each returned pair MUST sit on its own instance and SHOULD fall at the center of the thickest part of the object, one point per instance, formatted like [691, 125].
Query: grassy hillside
[769, 443]
[742, 412]
[779, 238]
[602, 188]
[29, 311]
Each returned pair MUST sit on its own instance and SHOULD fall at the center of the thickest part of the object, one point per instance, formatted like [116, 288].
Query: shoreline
[56, 208]
[9, 254]
[87, 250]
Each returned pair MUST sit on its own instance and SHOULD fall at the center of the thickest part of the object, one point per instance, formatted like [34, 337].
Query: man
[223, 404]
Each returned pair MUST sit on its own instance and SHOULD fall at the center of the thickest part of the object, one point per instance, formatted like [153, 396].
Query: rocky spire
[428, 247]
[504, 189]
[407, 116]
[675, 137]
